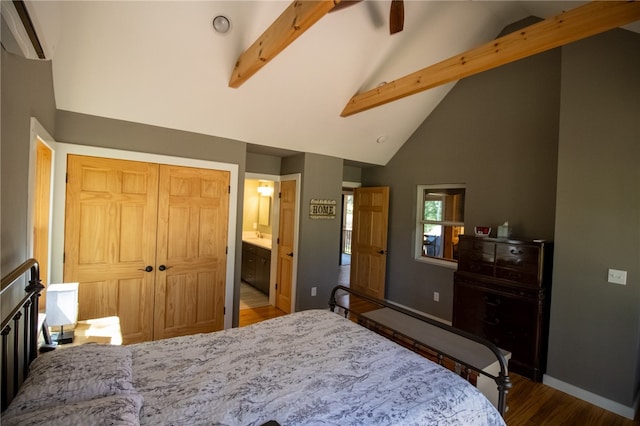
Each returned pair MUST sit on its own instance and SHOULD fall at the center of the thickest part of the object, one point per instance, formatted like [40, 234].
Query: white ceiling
[161, 63]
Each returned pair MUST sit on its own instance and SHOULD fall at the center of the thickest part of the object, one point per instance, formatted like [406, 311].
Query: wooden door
[110, 238]
[286, 235]
[369, 240]
[191, 256]
[42, 212]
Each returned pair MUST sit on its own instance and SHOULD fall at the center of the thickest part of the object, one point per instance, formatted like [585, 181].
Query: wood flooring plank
[254, 315]
[536, 404]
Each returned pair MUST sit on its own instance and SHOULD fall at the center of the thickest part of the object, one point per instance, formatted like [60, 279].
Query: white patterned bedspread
[309, 368]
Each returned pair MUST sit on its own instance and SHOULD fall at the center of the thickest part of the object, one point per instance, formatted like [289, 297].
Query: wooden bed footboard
[377, 315]
[19, 296]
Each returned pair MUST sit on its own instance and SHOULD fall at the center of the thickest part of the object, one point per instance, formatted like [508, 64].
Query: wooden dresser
[501, 291]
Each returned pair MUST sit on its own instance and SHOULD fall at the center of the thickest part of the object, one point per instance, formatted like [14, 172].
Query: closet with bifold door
[147, 243]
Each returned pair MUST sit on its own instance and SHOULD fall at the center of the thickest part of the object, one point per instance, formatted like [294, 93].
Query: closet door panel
[192, 242]
[110, 238]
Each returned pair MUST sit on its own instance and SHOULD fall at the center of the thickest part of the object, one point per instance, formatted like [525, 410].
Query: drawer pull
[491, 302]
[494, 321]
[515, 251]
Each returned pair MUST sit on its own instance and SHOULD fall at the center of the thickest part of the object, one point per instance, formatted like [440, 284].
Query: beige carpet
[252, 298]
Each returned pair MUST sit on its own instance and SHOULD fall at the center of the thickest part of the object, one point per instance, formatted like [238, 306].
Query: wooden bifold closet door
[147, 243]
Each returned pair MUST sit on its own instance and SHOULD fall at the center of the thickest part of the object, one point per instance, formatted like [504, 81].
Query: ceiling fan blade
[396, 16]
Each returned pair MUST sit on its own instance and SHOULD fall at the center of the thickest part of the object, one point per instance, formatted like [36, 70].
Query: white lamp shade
[62, 304]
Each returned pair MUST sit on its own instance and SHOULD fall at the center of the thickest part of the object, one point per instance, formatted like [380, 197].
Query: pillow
[111, 410]
[74, 374]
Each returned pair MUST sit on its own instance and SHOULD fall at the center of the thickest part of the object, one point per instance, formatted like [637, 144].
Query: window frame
[420, 222]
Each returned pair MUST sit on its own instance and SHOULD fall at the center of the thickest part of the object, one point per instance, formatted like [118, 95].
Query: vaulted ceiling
[161, 63]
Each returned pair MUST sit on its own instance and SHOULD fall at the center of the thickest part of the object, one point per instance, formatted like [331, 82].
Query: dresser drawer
[520, 343]
[518, 263]
[511, 313]
[476, 256]
[477, 245]
[517, 256]
[522, 276]
[480, 266]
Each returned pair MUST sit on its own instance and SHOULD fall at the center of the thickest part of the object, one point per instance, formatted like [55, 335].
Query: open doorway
[345, 236]
[257, 243]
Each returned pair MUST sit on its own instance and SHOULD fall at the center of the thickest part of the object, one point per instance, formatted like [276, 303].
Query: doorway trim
[39, 134]
[59, 202]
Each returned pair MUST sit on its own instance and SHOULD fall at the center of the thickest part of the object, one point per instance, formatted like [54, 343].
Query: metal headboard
[19, 329]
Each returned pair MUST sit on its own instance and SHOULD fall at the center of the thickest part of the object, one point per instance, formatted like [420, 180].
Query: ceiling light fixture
[265, 190]
[381, 139]
[221, 24]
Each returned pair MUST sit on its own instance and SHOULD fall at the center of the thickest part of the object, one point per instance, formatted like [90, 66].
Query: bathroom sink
[260, 242]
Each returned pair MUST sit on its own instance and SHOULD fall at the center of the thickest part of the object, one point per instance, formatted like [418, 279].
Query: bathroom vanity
[256, 263]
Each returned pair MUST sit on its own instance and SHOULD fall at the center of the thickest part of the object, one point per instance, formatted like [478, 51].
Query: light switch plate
[617, 276]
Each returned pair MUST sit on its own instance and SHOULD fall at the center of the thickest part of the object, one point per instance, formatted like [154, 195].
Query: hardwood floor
[253, 315]
[532, 403]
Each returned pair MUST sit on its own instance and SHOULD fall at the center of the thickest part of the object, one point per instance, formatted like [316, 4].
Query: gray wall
[352, 174]
[84, 129]
[598, 218]
[265, 164]
[319, 243]
[27, 90]
[497, 133]
[102, 132]
[551, 143]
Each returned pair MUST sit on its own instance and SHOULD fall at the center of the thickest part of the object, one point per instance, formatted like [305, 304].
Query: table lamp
[62, 309]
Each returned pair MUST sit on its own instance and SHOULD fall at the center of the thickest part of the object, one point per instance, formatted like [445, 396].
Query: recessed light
[381, 139]
[221, 24]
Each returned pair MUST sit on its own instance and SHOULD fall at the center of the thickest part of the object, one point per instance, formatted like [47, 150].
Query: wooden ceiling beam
[297, 18]
[579, 23]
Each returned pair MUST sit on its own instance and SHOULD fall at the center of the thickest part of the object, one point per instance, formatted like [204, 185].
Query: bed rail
[502, 380]
[19, 327]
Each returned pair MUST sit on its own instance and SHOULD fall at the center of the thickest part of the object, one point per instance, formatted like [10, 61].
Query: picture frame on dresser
[502, 291]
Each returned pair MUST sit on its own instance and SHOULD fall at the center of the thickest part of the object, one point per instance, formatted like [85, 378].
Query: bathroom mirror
[264, 210]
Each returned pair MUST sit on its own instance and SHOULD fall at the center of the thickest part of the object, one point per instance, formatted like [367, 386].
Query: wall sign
[322, 209]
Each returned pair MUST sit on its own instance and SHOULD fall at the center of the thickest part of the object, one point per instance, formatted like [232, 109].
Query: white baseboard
[592, 398]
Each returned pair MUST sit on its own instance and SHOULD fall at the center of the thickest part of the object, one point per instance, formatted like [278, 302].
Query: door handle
[147, 269]
[290, 254]
[163, 268]
[381, 252]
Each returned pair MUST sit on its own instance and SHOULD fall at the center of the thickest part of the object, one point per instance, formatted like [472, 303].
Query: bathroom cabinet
[256, 266]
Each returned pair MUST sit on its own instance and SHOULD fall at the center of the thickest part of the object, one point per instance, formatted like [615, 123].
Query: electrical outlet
[436, 296]
[617, 277]
[314, 291]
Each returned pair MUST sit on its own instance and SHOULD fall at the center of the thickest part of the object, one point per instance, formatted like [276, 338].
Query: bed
[311, 367]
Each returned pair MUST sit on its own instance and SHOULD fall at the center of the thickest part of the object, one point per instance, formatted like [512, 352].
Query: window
[440, 220]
